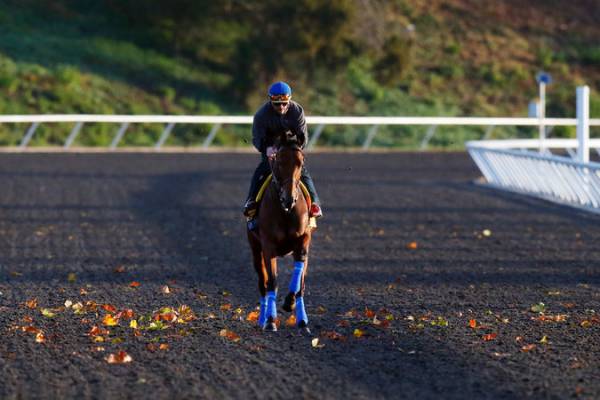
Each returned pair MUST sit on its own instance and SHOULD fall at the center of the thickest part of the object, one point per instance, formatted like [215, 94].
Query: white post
[542, 115]
[583, 124]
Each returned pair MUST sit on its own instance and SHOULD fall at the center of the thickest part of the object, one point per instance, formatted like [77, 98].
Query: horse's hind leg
[261, 271]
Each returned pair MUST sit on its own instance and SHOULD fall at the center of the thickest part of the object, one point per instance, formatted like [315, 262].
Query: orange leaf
[291, 321]
[151, 347]
[226, 307]
[489, 336]
[27, 319]
[333, 335]
[119, 358]
[412, 246]
[169, 317]
[30, 329]
[134, 284]
[40, 337]
[163, 346]
[528, 347]
[472, 323]
[369, 313]
[252, 316]
[234, 337]
[109, 320]
[119, 270]
[343, 323]
[31, 303]
[110, 308]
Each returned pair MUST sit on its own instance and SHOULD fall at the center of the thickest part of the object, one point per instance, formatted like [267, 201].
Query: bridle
[279, 185]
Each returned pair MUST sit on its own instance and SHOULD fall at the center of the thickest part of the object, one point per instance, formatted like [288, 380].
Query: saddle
[312, 222]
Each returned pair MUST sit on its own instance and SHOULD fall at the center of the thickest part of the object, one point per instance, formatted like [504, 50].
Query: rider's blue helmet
[280, 92]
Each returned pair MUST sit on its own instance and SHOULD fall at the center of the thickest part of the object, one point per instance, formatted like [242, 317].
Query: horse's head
[287, 169]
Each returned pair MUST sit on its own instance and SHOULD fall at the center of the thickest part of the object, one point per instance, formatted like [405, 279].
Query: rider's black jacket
[268, 125]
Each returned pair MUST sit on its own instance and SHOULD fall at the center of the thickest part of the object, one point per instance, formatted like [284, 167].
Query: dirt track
[175, 220]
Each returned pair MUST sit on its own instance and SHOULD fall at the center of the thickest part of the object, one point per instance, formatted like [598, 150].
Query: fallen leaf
[412, 246]
[133, 324]
[47, 313]
[71, 277]
[15, 273]
[253, 316]
[291, 321]
[68, 303]
[343, 323]
[486, 233]
[98, 339]
[27, 319]
[109, 320]
[165, 290]
[40, 337]
[538, 308]
[234, 337]
[151, 347]
[544, 340]
[333, 335]
[489, 336]
[226, 307]
[163, 346]
[321, 310]
[315, 343]
[119, 270]
[472, 323]
[119, 358]
[439, 321]
[31, 303]
[369, 313]
[528, 347]
[358, 333]
[97, 331]
[134, 284]
[110, 308]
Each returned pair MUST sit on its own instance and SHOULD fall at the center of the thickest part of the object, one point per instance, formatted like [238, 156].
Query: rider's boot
[250, 213]
[315, 211]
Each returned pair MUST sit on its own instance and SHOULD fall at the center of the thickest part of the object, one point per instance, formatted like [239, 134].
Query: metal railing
[571, 180]
[547, 176]
[319, 123]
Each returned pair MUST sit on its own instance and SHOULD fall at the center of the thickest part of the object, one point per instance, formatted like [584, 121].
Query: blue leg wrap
[300, 311]
[296, 281]
[271, 305]
[262, 319]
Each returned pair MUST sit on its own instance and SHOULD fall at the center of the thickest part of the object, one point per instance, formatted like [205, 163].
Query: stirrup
[250, 208]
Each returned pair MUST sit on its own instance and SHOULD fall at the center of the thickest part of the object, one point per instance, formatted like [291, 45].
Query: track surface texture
[393, 321]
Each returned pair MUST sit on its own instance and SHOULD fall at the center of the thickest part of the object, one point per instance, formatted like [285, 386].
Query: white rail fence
[570, 180]
[319, 123]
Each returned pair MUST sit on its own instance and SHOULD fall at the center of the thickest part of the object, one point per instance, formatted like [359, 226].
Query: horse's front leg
[271, 309]
[295, 297]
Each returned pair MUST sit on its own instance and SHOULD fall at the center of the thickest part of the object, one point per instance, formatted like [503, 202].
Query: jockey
[280, 115]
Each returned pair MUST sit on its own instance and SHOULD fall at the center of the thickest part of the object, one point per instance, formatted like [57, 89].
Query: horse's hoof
[270, 326]
[303, 328]
[289, 304]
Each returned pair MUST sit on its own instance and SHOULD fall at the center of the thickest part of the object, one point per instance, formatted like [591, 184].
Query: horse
[283, 228]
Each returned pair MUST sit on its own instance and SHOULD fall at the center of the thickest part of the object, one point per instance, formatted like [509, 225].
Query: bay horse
[283, 228]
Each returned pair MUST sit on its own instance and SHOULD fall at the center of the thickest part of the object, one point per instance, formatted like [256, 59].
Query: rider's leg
[312, 191]
[262, 171]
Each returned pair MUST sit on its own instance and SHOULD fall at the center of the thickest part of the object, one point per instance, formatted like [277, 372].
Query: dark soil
[174, 219]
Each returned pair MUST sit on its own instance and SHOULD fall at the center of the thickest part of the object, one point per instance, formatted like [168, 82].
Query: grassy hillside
[359, 57]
